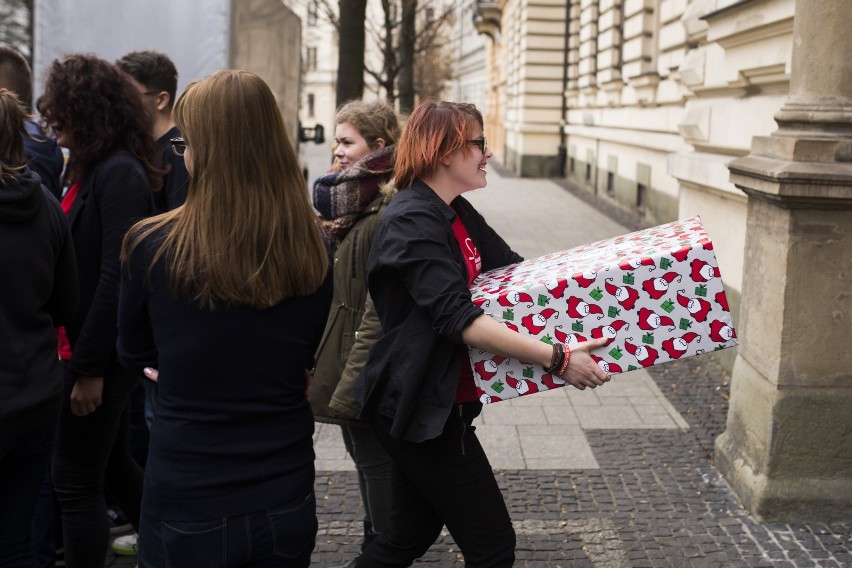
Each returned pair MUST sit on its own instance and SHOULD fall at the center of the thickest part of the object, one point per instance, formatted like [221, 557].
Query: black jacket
[114, 195]
[45, 158]
[38, 291]
[418, 281]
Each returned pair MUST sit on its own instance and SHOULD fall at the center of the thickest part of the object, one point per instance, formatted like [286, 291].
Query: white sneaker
[125, 545]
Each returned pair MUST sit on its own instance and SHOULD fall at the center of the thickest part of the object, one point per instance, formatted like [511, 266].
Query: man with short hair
[156, 77]
[44, 154]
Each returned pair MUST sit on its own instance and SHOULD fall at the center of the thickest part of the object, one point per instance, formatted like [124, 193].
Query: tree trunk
[350, 71]
[405, 79]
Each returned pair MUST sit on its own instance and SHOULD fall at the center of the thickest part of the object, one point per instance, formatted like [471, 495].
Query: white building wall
[470, 74]
[661, 95]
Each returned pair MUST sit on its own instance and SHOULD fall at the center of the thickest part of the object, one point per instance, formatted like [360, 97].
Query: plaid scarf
[341, 197]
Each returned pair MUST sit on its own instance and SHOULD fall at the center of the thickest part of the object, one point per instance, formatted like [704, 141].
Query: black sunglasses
[178, 146]
[479, 142]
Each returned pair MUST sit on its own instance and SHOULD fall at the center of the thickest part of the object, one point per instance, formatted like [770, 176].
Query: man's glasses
[479, 142]
[178, 146]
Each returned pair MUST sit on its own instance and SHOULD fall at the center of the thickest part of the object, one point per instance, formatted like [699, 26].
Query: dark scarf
[341, 197]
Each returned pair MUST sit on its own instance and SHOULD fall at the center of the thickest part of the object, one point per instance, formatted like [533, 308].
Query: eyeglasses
[479, 142]
[178, 146]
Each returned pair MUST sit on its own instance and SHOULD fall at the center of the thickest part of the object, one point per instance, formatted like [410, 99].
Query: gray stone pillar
[787, 447]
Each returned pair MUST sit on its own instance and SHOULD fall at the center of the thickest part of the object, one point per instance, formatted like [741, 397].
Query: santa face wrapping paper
[655, 294]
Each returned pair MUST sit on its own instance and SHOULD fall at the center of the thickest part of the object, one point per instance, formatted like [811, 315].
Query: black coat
[115, 194]
[418, 281]
[38, 291]
[45, 158]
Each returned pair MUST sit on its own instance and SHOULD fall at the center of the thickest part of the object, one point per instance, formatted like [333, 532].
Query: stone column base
[787, 451]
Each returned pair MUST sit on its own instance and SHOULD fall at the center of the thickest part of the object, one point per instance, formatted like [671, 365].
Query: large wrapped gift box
[655, 294]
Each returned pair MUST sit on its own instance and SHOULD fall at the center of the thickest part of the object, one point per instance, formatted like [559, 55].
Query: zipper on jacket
[354, 265]
[464, 427]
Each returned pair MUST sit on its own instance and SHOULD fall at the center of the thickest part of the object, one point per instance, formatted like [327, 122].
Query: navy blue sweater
[232, 430]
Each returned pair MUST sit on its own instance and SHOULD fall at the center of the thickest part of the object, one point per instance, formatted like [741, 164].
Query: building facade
[739, 111]
[640, 102]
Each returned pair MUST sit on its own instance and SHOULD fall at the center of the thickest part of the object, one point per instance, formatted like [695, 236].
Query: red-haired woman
[417, 386]
[97, 114]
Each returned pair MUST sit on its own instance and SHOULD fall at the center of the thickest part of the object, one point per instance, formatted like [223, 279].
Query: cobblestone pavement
[655, 501]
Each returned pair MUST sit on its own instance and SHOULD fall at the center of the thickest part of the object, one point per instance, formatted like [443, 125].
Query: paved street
[618, 477]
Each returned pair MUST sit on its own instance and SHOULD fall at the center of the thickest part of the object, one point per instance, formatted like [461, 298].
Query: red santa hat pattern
[606, 366]
[552, 381]
[649, 320]
[657, 287]
[697, 307]
[523, 386]
[722, 300]
[569, 338]
[701, 271]
[681, 253]
[677, 346]
[488, 368]
[579, 309]
[609, 331]
[635, 263]
[625, 295]
[646, 356]
[557, 287]
[585, 279]
[485, 398]
[511, 298]
[721, 332]
[534, 323]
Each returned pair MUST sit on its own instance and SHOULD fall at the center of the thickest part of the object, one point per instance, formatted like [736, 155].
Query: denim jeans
[93, 454]
[24, 462]
[283, 536]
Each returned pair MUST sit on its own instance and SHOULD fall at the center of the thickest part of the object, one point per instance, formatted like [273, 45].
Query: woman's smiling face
[469, 168]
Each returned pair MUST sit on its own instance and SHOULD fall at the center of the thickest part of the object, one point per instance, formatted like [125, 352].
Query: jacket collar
[428, 194]
[79, 201]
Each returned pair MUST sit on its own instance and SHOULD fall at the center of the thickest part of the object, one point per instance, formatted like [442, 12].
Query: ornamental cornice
[487, 18]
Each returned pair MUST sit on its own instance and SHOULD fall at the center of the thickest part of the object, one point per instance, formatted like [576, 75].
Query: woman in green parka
[350, 200]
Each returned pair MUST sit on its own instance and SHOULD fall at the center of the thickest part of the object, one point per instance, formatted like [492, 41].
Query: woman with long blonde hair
[226, 297]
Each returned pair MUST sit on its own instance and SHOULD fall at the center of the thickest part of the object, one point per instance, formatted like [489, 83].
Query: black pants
[444, 481]
[93, 453]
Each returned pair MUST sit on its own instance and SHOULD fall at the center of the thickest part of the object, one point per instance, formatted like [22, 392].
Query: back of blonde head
[246, 234]
[373, 120]
[12, 116]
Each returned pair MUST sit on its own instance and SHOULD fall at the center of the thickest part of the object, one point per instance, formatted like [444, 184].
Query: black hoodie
[38, 291]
